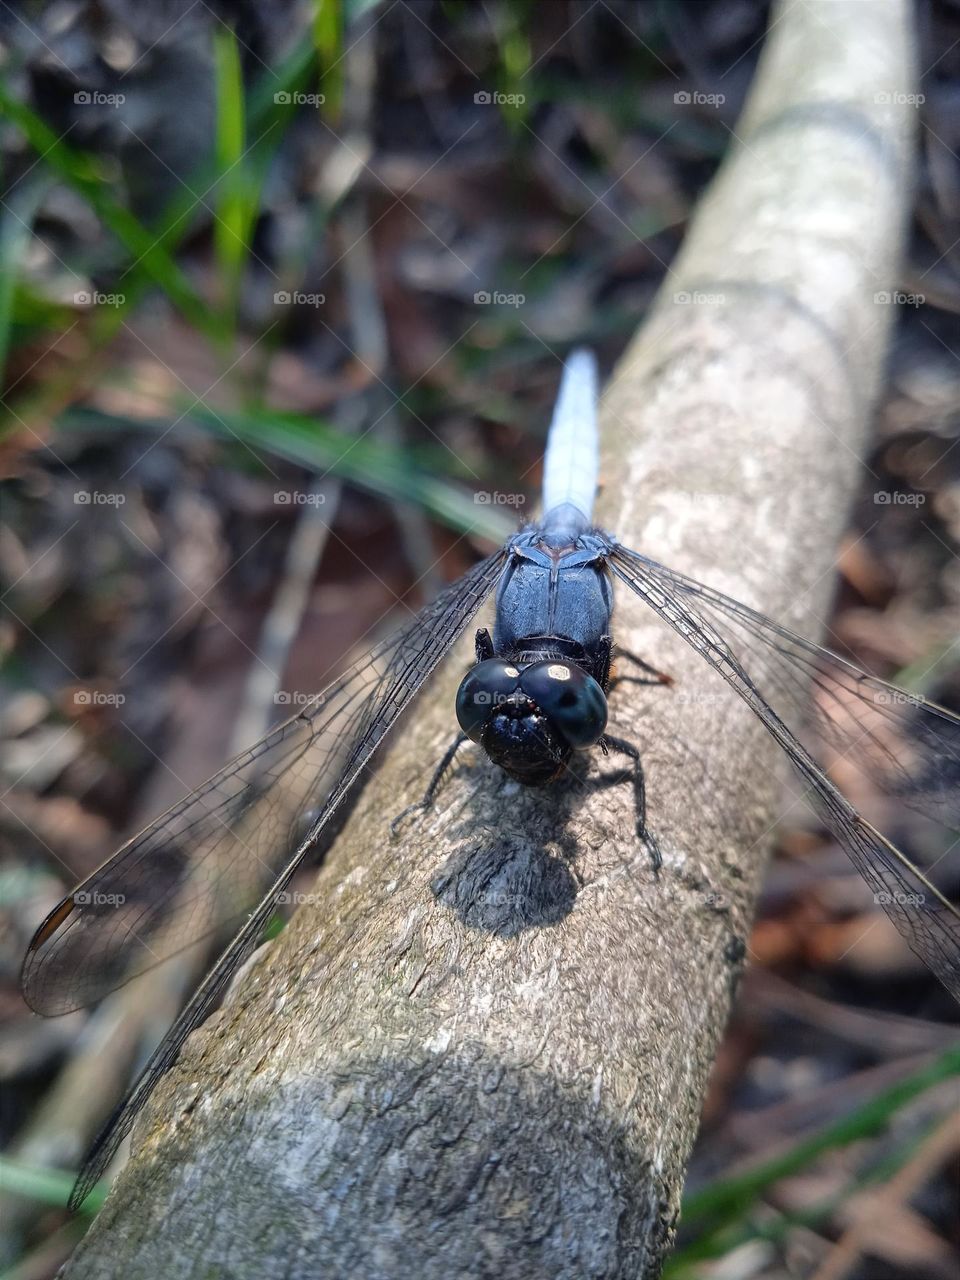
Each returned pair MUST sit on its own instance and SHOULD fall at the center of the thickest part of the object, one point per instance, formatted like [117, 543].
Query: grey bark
[483, 1051]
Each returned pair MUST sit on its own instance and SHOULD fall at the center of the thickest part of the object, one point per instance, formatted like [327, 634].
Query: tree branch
[483, 1050]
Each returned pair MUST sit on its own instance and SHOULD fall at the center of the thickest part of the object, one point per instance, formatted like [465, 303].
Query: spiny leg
[434, 785]
[609, 743]
[484, 650]
[483, 644]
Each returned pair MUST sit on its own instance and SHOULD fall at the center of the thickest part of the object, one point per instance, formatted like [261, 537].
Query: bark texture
[482, 1050]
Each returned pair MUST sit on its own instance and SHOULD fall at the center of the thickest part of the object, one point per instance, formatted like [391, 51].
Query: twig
[887, 1202]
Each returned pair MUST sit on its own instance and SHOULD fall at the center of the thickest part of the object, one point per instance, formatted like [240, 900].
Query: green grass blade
[235, 202]
[82, 172]
[16, 228]
[730, 1198]
[268, 122]
[49, 1186]
[328, 39]
[717, 1244]
[390, 472]
[368, 463]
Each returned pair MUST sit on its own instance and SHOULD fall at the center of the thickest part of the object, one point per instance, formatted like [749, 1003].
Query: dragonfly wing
[213, 854]
[198, 866]
[326, 747]
[907, 746]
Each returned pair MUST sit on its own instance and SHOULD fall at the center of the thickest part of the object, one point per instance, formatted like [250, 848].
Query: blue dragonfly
[534, 701]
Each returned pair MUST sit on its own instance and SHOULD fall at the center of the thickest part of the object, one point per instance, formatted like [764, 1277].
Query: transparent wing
[209, 857]
[200, 865]
[247, 813]
[907, 746]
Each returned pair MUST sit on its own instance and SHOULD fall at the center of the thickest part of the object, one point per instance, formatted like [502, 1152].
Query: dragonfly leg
[655, 676]
[426, 802]
[601, 671]
[484, 645]
[620, 745]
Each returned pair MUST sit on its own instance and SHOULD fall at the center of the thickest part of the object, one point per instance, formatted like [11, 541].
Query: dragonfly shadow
[504, 879]
[506, 885]
[509, 878]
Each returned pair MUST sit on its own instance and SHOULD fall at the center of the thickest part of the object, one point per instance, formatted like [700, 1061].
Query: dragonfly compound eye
[485, 687]
[571, 699]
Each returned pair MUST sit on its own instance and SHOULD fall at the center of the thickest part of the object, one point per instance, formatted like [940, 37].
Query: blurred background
[284, 292]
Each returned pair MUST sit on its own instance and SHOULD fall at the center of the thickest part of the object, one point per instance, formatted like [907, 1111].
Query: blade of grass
[718, 1244]
[269, 120]
[49, 1186]
[724, 1204]
[328, 41]
[279, 83]
[82, 172]
[152, 246]
[515, 63]
[268, 113]
[370, 465]
[236, 203]
[16, 228]
[33, 311]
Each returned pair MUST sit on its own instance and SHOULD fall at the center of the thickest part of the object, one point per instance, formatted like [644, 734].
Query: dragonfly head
[529, 719]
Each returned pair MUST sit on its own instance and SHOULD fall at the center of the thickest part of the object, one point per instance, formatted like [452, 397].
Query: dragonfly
[535, 701]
